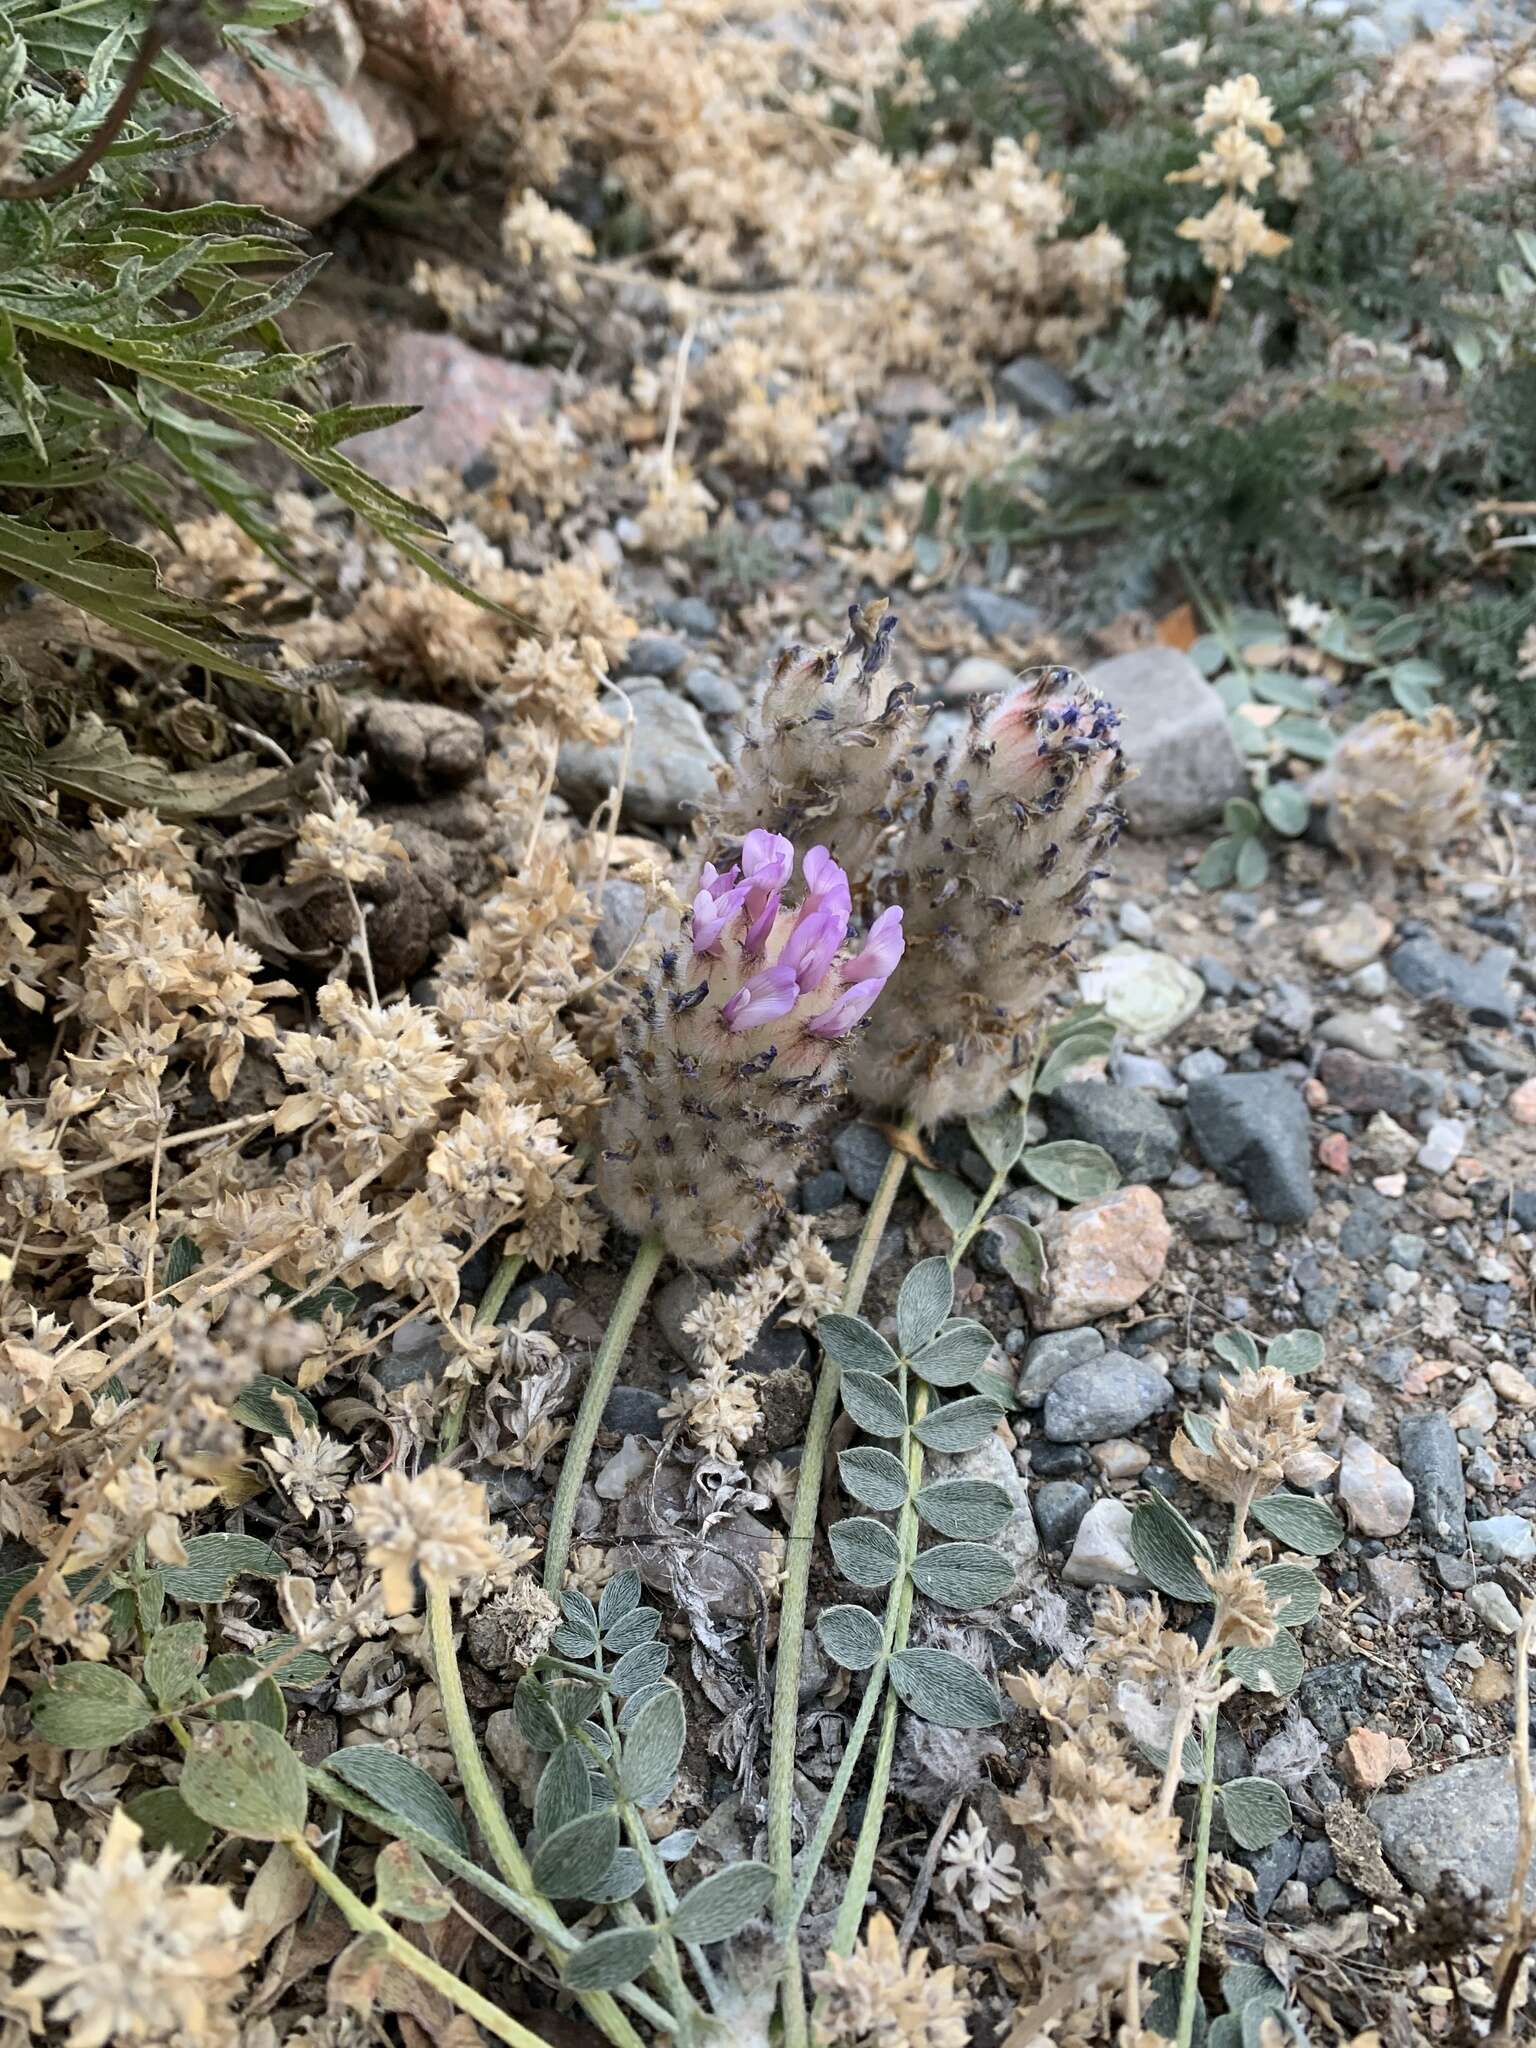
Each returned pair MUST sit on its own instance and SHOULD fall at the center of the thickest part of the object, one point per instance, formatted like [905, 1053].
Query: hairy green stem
[481, 1794]
[362, 1919]
[605, 1369]
[502, 1282]
[792, 1605]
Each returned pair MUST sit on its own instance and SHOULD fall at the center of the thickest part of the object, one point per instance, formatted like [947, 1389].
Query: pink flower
[763, 1000]
[719, 898]
[881, 952]
[812, 946]
[851, 1005]
[768, 861]
[826, 883]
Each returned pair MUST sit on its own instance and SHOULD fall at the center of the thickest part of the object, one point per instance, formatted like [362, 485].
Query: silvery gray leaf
[653, 1749]
[636, 1627]
[964, 1576]
[1072, 1169]
[955, 1202]
[621, 1880]
[1300, 1522]
[942, 1688]
[619, 1597]
[1256, 1811]
[865, 1551]
[855, 1345]
[959, 1425]
[643, 1665]
[564, 1790]
[721, 1906]
[1276, 1669]
[608, 1960]
[577, 1856]
[1295, 1351]
[972, 1509]
[873, 1403]
[851, 1636]
[402, 1788]
[998, 1135]
[925, 1299]
[876, 1479]
[1293, 1592]
[1166, 1547]
[954, 1355]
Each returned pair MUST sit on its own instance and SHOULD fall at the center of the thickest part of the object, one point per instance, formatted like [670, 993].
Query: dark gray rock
[635, 1411]
[1138, 1133]
[1207, 1213]
[1253, 1128]
[1462, 1825]
[1037, 388]
[1056, 1461]
[716, 695]
[823, 1191]
[1060, 1506]
[1481, 987]
[1368, 1225]
[1109, 1396]
[861, 1153]
[1054, 1354]
[689, 615]
[1174, 729]
[1522, 1206]
[654, 654]
[1273, 1868]
[1364, 1086]
[621, 912]
[1332, 1698]
[999, 617]
[1431, 1458]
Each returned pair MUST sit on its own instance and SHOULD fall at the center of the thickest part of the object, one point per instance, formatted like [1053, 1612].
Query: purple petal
[767, 859]
[850, 1006]
[711, 915]
[882, 950]
[812, 946]
[825, 882]
[763, 1000]
[763, 910]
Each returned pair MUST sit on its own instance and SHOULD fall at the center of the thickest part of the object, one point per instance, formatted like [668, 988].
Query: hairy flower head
[1242, 1450]
[435, 1522]
[872, 1999]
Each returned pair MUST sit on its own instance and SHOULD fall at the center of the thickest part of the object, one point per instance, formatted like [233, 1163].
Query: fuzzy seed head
[1402, 790]
[734, 1049]
[824, 753]
[997, 870]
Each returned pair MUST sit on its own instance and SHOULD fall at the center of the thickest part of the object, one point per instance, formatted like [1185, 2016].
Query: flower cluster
[1241, 1452]
[733, 1047]
[1240, 120]
[995, 870]
[435, 1524]
[872, 1999]
[1402, 790]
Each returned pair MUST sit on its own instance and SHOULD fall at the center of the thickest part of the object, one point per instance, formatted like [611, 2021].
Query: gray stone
[1253, 1128]
[1504, 1539]
[635, 1411]
[1101, 1550]
[672, 762]
[1060, 1505]
[1207, 1214]
[999, 617]
[716, 695]
[653, 654]
[630, 1466]
[861, 1153]
[1431, 1457]
[1037, 388]
[1494, 1606]
[1371, 1034]
[823, 1191]
[1141, 1070]
[1463, 1825]
[1332, 1699]
[977, 675]
[1480, 987]
[1273, 1868]
[1368, 1087]
[1052, 1355]
[671, 1305]
[1108, 1397]
[1202, 1065]
[621, 912]
[1443, 1144]
[1174, 729]
[1137, 1133]
[689, 615]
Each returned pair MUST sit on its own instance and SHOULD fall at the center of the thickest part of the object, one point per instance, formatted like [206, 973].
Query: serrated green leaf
[214, 1562]
[1297, 1351]
[854, 1345]
[169, 1823]
[608, 1960]
[955, 1356]
[876, 1479]
[1166, 1547]
[942, 1688]
[1256, 1811]
[955, 1202]
[959, 1425]
[964, 1576]
[174, 1658]
[926, 1297]
[1293, 1592]
[245, 1779]
[851, 1636]
[721, 1905]
[653, 1749]
[401, 1788]
[620, 1597]
[89, 1706]
[874, 1404]
[576, 1856]
[865, 1551]
[1276, 1669]
[970, 1509]
[1300, 1522]
[1072, 1169]
[257, 1406]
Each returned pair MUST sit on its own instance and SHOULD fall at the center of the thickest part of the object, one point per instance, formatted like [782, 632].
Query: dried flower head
[986, 1871]
[719, 1410]
[871, 1999]
[341, 845]
[124, 1954]
[1404, 790]
[1110, 1890]
[1244, 1618]
[435, 1523]
[996, 870]
[824, 746]
[1241, 1451]
[733, 1048]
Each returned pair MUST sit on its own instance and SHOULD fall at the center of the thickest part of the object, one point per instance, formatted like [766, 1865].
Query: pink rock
[1377, 1498]
[1369, 1758]
[1522, 1104]
[464, 396]
[1333, 1152]
[1100, 1257]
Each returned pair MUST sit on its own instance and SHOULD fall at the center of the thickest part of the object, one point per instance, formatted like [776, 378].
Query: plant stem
[792, 1605]
[604, 1371]
[362, 1919]
[1191, 1987]
[502, 1281]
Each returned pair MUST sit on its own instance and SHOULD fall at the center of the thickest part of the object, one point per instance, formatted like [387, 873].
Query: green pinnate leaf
[1166, 1548]
[954, 1201]
[620, 1597]
[1256, 1811]
[609, 1960]
[875, 1478]
[854, 1345]
[874, 1404]
[959, 1426]
[865, 1551]
[564, 1791]
[1276, 1669]
[643, 1665]
[169, 1823]
[258, 1407]
[404, 1887]
[1300, 1522]
[955, 1356]
[1293, 1592]
[923, 1305]
[721, 1905]
[653, 1749]
[214, 1562]
[964, 1576]
[851, 1637]
[1072, 1169]
[577, 1855]
[402, 1789]
[245, 1779]
[972, 1510]
[173, 1660]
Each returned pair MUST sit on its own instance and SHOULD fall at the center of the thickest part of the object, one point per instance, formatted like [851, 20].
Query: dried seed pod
[1401, 790]
[824, 751]
[996, 869]
[734, 1049]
